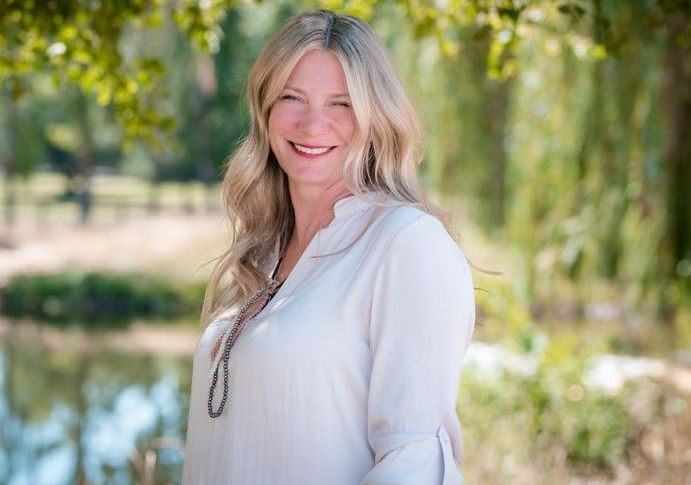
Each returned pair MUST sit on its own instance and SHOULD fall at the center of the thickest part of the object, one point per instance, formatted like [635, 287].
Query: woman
[333, 354]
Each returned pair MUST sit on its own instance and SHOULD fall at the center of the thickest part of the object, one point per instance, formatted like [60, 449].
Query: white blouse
[349, 375]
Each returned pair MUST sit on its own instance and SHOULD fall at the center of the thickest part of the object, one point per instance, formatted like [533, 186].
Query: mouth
[311, 151]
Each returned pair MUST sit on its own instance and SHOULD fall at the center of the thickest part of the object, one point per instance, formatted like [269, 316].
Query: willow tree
[597, 163]
[581, 122]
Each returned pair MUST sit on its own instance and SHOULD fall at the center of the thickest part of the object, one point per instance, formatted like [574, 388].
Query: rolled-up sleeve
[422, 319]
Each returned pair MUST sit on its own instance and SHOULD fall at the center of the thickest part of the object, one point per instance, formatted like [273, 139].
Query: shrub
[543, 417]
[97, 299]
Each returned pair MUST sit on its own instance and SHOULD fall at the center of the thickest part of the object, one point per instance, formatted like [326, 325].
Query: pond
[75, 409]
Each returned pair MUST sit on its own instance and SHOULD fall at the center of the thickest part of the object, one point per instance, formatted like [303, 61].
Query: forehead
[318, 69]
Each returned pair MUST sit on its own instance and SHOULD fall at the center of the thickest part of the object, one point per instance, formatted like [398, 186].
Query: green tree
[81, 43]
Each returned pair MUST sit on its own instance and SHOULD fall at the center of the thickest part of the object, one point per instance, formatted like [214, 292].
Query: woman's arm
[421, 323]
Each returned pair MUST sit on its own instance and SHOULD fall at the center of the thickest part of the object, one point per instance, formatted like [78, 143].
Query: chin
[313, 180]
[311, 176]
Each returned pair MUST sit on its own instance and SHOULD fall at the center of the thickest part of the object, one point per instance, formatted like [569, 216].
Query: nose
[314, 121]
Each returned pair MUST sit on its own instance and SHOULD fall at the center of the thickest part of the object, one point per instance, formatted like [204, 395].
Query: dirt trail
[177, 245]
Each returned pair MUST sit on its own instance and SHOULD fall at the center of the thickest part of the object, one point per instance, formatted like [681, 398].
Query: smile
[314, 151]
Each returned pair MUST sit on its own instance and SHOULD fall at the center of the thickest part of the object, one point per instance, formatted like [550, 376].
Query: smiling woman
[336, 322]
[311, 125]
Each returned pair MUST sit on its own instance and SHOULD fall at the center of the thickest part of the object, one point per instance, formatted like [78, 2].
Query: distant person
[339, 316]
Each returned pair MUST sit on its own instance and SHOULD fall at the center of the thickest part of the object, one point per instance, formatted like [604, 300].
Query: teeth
[310, 151]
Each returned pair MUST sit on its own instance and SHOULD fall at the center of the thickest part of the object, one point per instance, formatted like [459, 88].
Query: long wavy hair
[385, 152]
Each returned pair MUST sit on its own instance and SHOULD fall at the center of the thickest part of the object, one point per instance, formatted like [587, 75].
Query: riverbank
[146, 337]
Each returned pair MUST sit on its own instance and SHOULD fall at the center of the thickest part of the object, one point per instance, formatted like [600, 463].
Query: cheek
[279, 120]
[271, 124]
[345, 124]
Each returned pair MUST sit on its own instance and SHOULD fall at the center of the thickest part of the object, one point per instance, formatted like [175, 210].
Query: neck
[314, 209]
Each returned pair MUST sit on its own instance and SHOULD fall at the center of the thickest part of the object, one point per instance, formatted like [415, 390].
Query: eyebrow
[298, 90]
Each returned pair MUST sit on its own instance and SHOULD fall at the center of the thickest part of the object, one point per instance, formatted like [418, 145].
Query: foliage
[543, 414]
[507, 22]
[571, 149]
[539, 416]
[539, 422]
[75, 123]
[593, 131]
[81, 42]
[97, 299]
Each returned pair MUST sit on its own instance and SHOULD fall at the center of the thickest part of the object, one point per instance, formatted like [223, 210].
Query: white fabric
[350, 374]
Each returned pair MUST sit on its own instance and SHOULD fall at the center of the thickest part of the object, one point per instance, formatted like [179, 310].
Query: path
[177, 245]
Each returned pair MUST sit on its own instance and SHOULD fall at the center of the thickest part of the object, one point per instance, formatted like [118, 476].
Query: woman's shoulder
[419, 244]
[410, 236]
[398, 220]
[391, 229]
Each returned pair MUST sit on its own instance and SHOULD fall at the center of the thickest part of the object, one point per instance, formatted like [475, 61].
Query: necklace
[229, 337]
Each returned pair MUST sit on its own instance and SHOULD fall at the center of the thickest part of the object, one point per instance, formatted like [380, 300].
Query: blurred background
[559, 138]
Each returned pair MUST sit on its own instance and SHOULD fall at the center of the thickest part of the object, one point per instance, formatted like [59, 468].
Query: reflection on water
[95, 416]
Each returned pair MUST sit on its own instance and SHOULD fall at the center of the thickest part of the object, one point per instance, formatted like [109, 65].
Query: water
[71, 413]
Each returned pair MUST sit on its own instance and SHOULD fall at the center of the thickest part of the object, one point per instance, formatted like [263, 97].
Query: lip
[308, 155]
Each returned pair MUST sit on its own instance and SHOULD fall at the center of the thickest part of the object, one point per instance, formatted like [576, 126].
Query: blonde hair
[385, 151]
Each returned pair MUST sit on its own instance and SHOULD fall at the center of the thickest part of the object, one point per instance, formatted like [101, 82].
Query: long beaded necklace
[228, 337]
[265, 294]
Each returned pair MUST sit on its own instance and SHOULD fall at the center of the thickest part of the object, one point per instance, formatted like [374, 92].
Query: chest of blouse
[320, 316]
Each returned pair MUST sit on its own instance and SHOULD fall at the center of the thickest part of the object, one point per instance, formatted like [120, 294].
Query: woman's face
[311, 125]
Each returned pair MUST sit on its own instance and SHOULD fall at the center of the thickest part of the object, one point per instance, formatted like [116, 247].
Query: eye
[289, 97]
[344, 104]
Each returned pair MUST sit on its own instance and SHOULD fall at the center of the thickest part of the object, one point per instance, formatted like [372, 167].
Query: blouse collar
[352, 204]
[343, 210]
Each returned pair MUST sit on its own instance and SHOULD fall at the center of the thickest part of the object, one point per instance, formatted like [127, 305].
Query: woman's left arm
[422, 320]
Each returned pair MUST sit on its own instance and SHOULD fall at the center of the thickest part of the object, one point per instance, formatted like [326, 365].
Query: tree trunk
[207, 84]
[677, 87]
[10, 175]
[10, 199]
[84, 160]
[496, 120]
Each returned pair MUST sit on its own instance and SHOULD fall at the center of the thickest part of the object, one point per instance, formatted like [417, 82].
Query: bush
[542, 419]
[97, 299]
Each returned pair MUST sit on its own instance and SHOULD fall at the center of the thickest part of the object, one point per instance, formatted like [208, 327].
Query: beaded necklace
[229, 337]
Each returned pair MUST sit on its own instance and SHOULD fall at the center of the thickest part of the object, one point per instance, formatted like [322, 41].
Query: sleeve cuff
[452, 472]
[385, 444]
